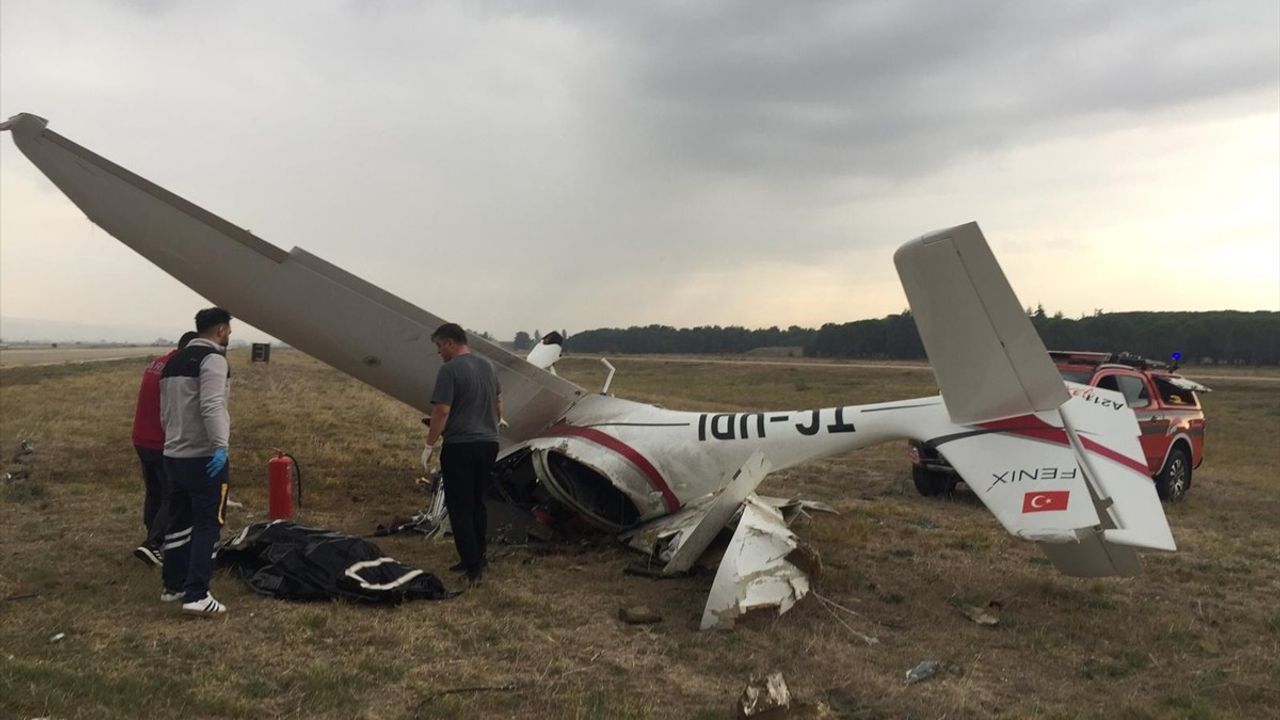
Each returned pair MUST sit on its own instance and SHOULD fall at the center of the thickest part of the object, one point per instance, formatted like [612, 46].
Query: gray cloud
[506, 162]
[887, 89]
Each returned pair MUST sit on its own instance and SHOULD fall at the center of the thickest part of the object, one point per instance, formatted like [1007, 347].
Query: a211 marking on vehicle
[1088, 395]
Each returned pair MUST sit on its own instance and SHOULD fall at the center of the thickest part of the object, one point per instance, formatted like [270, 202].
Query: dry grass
[1196, 635]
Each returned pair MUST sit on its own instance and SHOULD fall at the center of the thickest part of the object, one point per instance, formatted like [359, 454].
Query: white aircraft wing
[308, 303]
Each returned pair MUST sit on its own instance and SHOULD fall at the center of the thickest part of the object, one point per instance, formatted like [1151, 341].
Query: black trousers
[466, 468]
[155, 505]
[197, 506]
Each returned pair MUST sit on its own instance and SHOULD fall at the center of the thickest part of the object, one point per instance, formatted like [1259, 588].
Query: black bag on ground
[286, 560]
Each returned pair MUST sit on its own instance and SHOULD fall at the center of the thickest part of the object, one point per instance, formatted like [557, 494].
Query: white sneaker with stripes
[204, 607]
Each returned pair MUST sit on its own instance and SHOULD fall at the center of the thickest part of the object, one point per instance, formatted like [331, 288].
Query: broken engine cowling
[594, 481]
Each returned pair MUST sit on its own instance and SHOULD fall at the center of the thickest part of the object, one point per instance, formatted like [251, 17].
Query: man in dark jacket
[194, 390]
[148, 441]
[466, 406]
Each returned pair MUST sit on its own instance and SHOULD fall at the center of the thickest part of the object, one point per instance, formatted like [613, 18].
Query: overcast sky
[545, 165]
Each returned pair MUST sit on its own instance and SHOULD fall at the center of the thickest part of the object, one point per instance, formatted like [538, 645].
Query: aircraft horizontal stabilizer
[1073, 480]
[989, 361]
[1105, 436]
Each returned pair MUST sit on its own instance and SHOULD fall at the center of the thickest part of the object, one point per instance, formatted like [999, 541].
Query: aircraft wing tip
[26, 123]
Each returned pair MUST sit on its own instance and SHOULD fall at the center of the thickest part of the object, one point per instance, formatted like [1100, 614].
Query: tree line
[704, 340]
[1228, 336]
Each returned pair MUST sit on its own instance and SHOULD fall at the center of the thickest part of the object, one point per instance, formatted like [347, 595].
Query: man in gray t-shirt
[466, 408]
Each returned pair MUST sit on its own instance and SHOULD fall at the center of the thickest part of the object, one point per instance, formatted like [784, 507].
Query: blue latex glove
[217, 462]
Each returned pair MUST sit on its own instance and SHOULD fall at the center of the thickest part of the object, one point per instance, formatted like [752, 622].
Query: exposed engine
[548, 479]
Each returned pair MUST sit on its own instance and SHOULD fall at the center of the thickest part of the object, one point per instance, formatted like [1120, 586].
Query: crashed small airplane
[667, 481]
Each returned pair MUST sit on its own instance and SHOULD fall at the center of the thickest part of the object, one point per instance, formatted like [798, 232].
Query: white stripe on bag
[353, 572]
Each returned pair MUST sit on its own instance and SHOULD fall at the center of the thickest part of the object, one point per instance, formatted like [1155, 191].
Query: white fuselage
[662, 459]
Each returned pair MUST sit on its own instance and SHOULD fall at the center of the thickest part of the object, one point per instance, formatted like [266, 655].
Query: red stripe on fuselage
[1033, 427]
[1110, 454]
[631, 454]
[1028, 426]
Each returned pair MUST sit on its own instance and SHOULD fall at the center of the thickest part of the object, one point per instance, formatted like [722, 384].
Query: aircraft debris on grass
[666, 481]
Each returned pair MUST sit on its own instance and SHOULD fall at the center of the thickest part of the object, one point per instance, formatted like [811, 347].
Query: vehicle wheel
[1175, 477]
[930, 484]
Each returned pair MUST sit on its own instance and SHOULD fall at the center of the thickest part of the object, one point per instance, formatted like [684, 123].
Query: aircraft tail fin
[989, 361]
[1061, 468]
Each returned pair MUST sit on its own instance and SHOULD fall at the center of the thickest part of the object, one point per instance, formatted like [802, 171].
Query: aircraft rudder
[989, 360]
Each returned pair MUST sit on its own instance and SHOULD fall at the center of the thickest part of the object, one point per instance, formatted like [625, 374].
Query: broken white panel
[654, 537]
[792, 508]
[436, 516]
[544, 355]
[694, 540]
[755, 572]
[767, 698]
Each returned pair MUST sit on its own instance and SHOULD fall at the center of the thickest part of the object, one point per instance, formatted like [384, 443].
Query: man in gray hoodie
[194, 390]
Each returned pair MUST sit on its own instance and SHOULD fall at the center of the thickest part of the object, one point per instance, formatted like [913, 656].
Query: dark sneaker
[149, 554]
[474, 576]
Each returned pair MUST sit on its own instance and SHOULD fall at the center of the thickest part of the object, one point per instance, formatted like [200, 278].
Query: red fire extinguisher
[281, 473]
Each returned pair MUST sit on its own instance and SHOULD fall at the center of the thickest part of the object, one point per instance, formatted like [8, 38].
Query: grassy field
[1197, 635]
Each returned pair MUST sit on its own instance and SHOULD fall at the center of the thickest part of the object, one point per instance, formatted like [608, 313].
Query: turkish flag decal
[1046, 500]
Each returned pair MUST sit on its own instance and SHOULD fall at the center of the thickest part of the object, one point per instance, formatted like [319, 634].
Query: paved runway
[27, 357]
